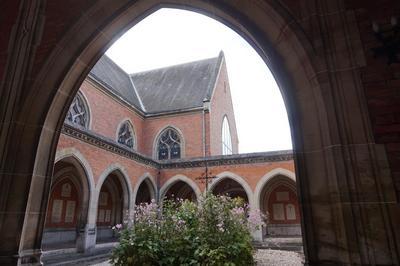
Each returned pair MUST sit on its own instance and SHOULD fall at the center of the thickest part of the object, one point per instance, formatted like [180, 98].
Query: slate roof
[177, 87]
[173, 88]
[113, 78]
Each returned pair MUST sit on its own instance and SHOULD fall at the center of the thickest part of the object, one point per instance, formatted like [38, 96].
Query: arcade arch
[68, 208]
[233, 185]
[181, 187]
[114, 202]
[145, 190]
[278, 198]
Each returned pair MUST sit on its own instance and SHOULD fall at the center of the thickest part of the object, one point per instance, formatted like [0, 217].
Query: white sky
[172, 36]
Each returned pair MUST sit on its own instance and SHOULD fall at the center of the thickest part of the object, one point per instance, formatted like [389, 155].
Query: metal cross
[205, 177]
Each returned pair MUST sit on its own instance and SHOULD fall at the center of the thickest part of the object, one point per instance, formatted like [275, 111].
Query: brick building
[130, 138]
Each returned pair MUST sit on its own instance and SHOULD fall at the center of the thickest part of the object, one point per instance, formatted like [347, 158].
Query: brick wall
[188, 124]
[106, 114]
[100, 159]
[251, 173]
[106, 122]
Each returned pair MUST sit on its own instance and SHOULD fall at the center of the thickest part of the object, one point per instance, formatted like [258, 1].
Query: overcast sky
[172, 36]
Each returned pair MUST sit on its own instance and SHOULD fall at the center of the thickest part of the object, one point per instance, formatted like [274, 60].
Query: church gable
[169, 89]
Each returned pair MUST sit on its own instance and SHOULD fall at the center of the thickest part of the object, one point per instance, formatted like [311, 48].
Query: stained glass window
[78, 113]
[125, 135]
[169, 145]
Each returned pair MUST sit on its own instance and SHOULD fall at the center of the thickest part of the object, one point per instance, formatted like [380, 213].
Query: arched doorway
[330, 149]
[180, 190]
[112, 206]
[230, 188]
[145, 192]
[67, 211]
[279, 199]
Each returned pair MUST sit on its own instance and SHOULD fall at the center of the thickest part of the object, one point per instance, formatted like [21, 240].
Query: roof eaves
[177, 111]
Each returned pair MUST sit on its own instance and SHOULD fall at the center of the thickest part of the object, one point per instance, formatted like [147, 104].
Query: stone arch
[158, 135]
[266, 178]
[238, 179]
[322, 128]
[168, 184]
[151, 185]
[278, 197]
[76, 170]
[126, 185]
[77, 155]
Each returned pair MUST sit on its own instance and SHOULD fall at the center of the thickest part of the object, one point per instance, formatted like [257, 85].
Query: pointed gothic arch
[68, 210]
[79, 112]
[169, 144]
[183, 180]
[145, 189]
[226, 137]
[277, 196]
[113, 202]
[234, 185]
[126, 134]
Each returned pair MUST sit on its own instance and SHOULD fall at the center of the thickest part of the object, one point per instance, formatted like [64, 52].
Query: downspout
[206, 108]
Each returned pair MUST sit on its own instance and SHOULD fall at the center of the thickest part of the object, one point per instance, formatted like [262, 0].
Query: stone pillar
[347, 197]
[86, 240]
[15, 174]
[258, 235]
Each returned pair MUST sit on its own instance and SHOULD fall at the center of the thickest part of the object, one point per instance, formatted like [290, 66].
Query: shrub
[216, 231]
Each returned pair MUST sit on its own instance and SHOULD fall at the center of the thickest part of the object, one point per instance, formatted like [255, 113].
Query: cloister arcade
[81, 212]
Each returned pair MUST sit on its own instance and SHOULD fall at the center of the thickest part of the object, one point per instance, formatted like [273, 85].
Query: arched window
[226, 138]
[169, 145]
[125, 135]
[78, 112]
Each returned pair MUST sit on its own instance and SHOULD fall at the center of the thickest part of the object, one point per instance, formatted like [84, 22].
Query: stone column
[86, 241]
[16, 169]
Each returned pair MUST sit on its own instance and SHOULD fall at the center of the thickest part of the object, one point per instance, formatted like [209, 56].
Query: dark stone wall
[381, 81]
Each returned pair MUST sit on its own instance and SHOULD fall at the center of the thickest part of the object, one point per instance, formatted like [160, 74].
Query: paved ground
[271, 257]
[264, 257]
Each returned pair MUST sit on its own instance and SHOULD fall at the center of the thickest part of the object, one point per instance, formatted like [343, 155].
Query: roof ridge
[176, 65]
[137, 94]
[115, 64]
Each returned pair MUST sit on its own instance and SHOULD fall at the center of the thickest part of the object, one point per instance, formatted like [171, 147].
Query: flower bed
[215, 231]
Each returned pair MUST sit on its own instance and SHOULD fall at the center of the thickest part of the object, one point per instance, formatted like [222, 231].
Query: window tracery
[169, 145]
[78, 113]
[125, 135]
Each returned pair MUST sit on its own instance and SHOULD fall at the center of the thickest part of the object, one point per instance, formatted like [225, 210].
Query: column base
[30, 257]
[86, 241]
